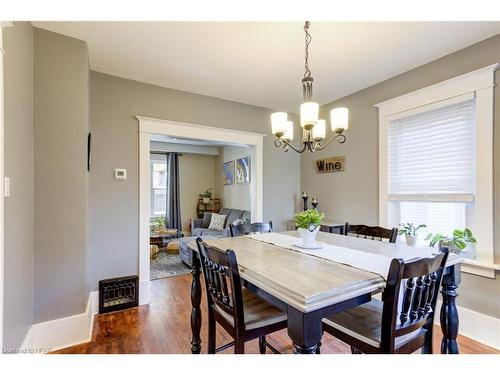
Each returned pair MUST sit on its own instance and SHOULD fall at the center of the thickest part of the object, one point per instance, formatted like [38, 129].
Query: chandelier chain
[308, 40]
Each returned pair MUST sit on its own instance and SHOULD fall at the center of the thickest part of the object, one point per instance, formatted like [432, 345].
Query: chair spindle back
[419, 280]
[222, 280]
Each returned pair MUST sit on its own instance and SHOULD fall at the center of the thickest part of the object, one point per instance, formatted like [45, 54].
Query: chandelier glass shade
[313, 128]
[309, 112]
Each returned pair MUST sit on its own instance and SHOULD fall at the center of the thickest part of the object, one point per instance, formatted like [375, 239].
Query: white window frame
[153, 189]
[479, 83]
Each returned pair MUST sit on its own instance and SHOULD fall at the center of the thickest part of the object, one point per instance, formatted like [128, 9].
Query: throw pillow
[207, 217]
[217, 222]
[238, 222]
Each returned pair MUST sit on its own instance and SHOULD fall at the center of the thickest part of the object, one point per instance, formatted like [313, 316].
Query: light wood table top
[307, 282]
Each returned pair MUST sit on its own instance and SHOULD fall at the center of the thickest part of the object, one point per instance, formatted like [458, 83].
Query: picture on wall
[243, 170]
[228, 170]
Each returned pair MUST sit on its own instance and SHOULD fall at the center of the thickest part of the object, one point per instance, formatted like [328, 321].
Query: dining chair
[374, 233]
[243, 229]
[389, 326]
[243, 314]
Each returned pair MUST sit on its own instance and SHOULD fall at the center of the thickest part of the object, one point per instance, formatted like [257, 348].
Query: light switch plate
[120, 174]
[7, 187]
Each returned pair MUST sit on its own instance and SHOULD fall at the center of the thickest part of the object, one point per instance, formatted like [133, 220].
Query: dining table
[311, 284]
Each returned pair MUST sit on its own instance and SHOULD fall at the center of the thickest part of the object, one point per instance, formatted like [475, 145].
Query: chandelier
[313, 128]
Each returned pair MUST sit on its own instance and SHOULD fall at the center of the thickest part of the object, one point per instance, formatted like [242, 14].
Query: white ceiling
[261, 63]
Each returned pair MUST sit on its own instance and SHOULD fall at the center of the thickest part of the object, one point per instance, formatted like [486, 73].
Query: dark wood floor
[163, 327]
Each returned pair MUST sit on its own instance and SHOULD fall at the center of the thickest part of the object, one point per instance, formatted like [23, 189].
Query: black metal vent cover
[118, 293]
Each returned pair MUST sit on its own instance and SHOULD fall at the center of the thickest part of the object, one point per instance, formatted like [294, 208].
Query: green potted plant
[206, 196]
[410, 231]
[460, 241]
[160, 222]
[308, 224]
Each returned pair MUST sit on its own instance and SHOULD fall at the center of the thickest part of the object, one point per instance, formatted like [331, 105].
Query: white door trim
[2, 179]
[149, 126]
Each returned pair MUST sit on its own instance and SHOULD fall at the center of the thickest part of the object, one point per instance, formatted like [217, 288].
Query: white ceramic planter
[411, 240]
[206, 200]
[308, 237]
[470, 251]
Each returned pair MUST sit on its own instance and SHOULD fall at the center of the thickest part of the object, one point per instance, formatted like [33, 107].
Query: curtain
[173, 193]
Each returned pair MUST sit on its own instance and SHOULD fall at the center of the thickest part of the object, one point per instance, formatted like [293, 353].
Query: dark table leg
[449, 313]
[305, 330]
[195, 303]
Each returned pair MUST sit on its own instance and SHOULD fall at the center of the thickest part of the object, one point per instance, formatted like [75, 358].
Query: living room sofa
[199, 227]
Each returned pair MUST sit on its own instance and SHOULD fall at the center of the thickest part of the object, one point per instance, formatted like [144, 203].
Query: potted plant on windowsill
[410, 232]
[308, 224]
[206, 196]
[461, 241]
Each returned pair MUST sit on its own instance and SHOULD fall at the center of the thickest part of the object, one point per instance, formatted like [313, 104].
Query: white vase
[411, 240]
[308, 237]
[206, 200]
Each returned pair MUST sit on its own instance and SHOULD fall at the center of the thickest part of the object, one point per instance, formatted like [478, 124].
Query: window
[158, 185]
[431, 167]
[436, 160]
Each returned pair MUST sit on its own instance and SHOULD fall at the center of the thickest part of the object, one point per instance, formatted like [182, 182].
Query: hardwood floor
[164, 327]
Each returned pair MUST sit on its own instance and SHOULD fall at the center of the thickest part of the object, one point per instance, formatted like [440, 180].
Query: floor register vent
[118, 293]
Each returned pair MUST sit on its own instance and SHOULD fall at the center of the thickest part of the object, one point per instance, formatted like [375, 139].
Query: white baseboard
[479, 327]
[71, 330]
[62, 333]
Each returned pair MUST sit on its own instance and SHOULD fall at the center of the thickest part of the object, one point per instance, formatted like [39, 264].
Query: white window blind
[431, 155]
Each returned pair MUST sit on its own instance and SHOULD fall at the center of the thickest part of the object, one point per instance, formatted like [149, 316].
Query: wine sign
[330, 165]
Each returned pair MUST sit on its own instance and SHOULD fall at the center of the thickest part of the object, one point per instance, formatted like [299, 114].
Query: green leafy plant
[160, 221]
[312, 216]
[410, 228]
[458, 240]
[207, 194]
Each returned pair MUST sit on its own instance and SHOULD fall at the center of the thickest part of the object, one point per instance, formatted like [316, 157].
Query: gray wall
[353, 195]
[18, 86]
[61, 93]
[112, 204]
[235, 195]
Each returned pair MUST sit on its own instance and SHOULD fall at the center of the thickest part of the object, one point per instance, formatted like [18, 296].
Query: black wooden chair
[390, 326]
[374, 233]
[243, 314]
[243, 229]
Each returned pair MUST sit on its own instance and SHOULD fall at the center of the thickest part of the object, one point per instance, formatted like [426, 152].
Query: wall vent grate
[118, 293]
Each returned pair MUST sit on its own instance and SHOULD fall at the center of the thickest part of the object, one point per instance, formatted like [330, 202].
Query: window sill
[480, 268]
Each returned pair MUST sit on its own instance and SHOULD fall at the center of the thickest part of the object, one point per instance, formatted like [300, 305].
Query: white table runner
[367, 261]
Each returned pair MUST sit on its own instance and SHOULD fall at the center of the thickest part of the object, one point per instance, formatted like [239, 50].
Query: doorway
[149, 128]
